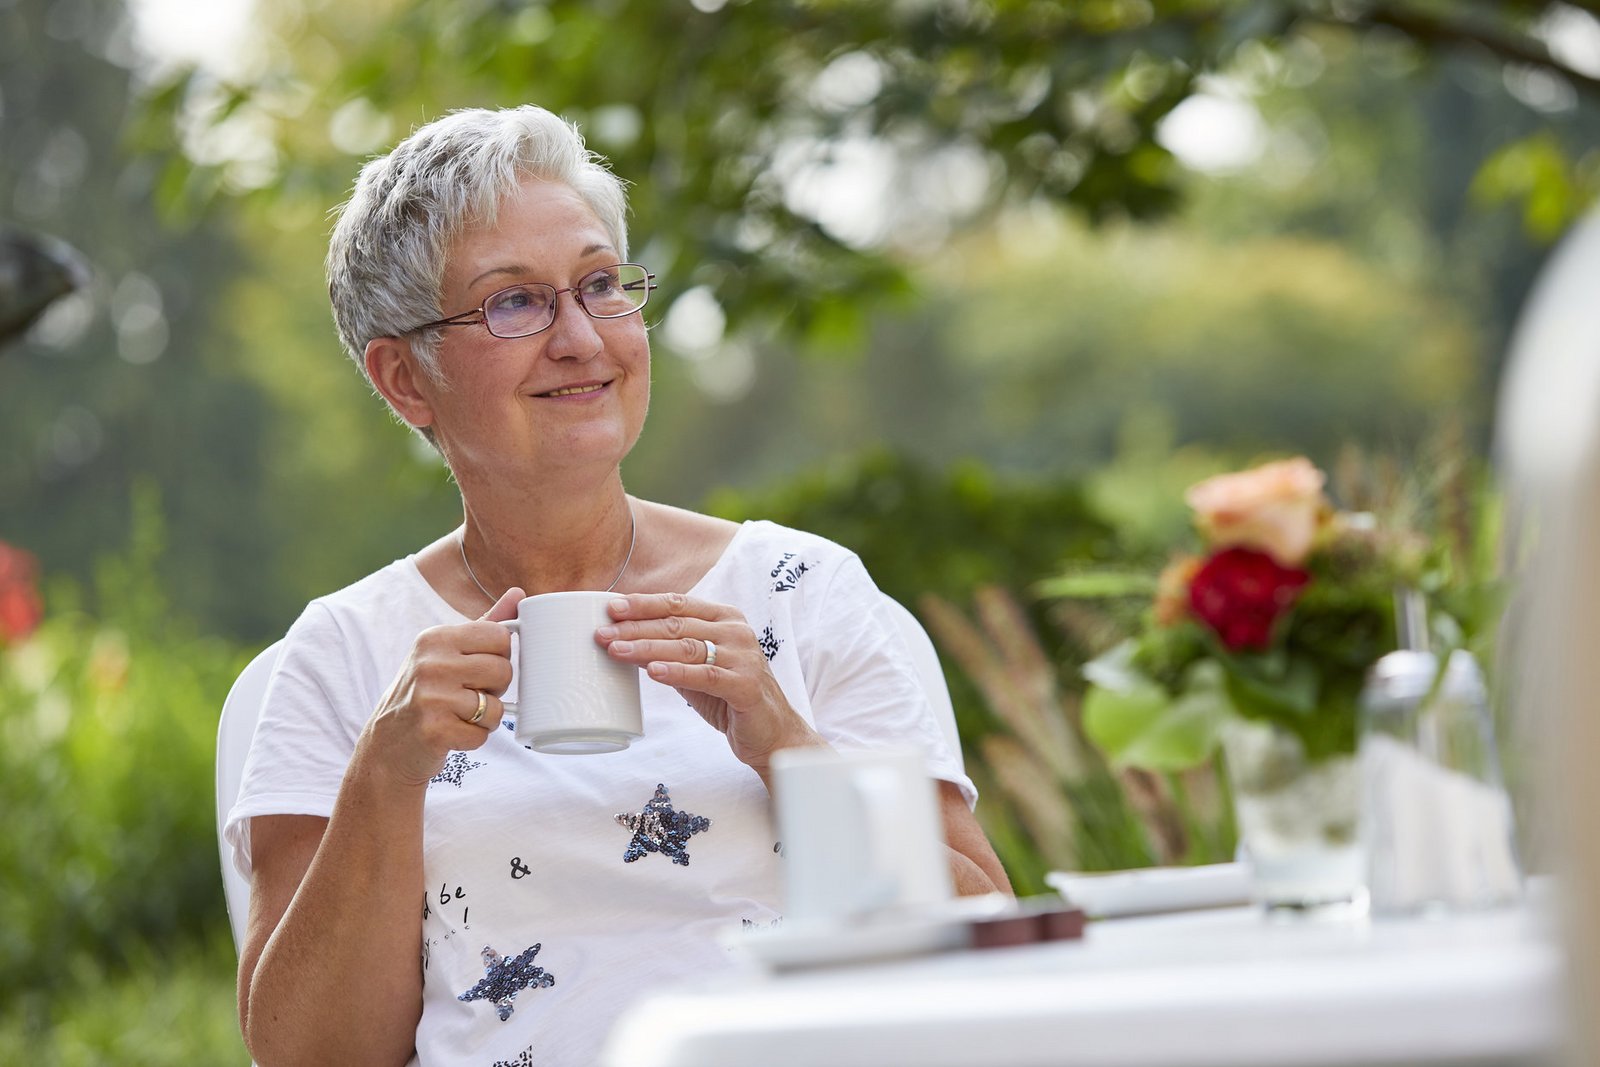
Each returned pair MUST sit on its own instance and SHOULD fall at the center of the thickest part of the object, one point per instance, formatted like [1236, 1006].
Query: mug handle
[516, 633]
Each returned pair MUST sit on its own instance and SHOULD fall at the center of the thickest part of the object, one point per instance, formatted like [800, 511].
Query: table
[1222, 988]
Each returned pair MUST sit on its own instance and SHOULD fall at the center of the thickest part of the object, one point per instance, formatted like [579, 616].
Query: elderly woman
[425, 888]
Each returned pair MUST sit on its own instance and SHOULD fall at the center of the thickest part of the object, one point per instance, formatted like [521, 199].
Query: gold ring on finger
[483, 703]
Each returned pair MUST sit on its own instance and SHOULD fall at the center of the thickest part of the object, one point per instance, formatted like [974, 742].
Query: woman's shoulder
[762, 539]
[723, 537]
[682, 525]
[784, 559]
[782, 553]
[392, 594]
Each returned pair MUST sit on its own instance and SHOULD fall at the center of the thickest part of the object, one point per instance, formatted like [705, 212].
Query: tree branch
[1442, 33]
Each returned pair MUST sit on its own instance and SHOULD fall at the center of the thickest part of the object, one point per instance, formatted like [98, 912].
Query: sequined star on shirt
[504, 978]
[660, 829]
[456, 765]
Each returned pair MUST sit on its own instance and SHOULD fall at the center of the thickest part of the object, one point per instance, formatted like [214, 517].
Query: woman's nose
[572, 335]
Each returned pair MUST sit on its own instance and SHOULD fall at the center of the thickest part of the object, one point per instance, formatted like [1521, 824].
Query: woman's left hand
[670, 635]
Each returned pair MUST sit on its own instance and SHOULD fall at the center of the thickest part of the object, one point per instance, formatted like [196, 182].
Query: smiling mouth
[576, 390]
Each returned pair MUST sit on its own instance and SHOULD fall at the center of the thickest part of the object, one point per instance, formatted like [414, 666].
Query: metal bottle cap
[1407, 676]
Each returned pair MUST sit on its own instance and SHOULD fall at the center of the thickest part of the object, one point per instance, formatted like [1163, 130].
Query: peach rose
[1276, 508]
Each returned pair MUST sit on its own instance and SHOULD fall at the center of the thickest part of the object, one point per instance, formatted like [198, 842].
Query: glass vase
[1298, 819]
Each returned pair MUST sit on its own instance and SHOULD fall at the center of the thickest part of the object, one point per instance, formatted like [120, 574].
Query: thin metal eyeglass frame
[482, 310]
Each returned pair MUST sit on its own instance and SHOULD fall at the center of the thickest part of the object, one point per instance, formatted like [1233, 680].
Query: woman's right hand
[427, 713]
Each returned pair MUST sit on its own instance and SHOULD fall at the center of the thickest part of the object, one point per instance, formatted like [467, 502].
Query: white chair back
[243, 707]
[234, 732]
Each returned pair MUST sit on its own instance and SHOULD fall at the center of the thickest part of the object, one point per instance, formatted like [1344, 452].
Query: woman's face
[571, 398]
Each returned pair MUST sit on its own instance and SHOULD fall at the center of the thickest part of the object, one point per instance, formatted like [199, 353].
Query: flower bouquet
[1260, 642]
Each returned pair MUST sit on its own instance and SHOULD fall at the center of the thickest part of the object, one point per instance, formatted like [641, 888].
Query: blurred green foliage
[125, 380]
[1245, 344]
[735, 116]
[114, 922]
[164, 1006]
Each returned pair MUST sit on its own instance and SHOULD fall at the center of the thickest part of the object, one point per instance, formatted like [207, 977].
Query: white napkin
[1106, 894]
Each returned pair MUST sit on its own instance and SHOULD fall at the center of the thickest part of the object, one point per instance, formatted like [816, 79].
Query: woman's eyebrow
[492, 271]
[517, 268]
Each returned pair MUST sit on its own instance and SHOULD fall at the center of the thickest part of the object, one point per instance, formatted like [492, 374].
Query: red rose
[1240, 593]
[20, 605]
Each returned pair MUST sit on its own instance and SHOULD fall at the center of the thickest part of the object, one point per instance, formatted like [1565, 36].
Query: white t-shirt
[551, 903]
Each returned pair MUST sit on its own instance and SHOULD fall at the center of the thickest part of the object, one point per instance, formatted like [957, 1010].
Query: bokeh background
[975, 287]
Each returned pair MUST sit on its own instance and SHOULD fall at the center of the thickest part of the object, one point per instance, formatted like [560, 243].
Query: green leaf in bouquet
[1271, 686]
[1142, 725]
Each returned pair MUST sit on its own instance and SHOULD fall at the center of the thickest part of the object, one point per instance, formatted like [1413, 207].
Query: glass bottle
[1436, 819]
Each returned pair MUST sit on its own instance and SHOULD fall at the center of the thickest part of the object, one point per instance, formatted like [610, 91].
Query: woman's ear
[395, 373]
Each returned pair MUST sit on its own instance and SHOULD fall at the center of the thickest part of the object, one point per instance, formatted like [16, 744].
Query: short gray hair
[387, 256]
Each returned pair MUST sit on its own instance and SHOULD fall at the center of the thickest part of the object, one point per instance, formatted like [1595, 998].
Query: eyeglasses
[530, 308]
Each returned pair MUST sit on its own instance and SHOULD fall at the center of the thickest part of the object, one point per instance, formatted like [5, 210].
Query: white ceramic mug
[569, 696]
[861, 835]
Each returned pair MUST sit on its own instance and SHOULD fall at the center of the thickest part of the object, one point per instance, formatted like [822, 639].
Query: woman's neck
[549, 541]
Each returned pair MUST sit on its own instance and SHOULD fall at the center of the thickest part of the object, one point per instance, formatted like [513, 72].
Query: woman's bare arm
[330, 972]
[974, 868]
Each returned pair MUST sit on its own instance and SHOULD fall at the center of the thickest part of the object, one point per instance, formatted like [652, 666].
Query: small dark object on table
[1033, 919]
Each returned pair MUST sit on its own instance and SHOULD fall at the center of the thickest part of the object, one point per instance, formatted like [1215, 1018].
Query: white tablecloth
[1222, 988]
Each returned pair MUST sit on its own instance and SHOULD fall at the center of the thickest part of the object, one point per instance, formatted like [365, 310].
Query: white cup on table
[861, 836]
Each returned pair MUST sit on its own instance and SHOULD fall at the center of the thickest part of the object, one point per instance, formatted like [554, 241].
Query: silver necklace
[633, 539]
